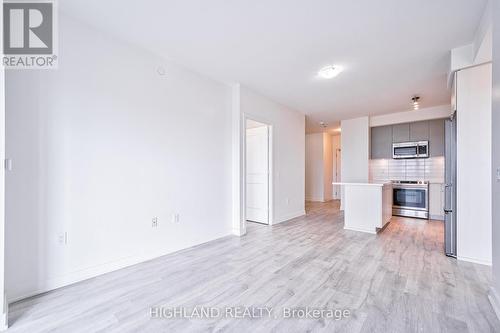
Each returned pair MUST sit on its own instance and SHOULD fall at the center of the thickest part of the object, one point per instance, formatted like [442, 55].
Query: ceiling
[390, 49]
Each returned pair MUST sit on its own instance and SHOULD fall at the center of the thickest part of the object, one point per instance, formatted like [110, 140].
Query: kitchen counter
[367, 206]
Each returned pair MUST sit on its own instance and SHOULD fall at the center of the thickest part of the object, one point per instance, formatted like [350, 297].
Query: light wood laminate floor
[396, 281]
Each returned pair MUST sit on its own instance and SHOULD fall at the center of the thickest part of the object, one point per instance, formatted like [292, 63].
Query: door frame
[270, 177]
[337, 188]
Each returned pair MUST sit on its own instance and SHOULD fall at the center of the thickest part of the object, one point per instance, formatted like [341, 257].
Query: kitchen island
[367, 206]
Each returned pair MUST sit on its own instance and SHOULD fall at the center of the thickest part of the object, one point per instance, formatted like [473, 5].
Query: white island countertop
[367, 206]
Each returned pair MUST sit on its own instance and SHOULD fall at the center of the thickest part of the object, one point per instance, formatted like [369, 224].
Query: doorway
[337, 174]
[257, 172]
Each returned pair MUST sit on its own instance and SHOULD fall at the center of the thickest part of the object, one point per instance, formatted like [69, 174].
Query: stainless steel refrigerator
[450, 200]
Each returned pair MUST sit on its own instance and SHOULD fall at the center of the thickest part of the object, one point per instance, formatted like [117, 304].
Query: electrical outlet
[498, 175]
[154, 222]
[175, 218]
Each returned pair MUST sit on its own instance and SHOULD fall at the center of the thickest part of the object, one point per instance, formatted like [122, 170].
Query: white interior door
[257, 174]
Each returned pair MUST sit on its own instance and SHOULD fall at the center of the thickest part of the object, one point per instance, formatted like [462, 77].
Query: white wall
[436, 112]
[327, 167]
[355, 149]
[3, 310]
[496, 155]
[474, 164]
[288, 132]
[314, 167]
[238, 134]
[102, 145]
[479, 51]
[482, 44]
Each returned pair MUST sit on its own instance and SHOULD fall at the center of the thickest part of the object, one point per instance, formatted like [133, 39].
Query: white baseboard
[313, 199]
[327, 199]
[475, 260]
[4, 317]
[91, 272]
[238, 232]
[318, 200]
[361, 230]
[290, 216]
[495, 301]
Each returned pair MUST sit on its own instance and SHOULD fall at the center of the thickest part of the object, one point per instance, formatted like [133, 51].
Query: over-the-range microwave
[418, 149]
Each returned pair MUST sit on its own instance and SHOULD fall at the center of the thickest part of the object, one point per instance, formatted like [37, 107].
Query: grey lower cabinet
[381, 142]
[419, 131]
[401, 133]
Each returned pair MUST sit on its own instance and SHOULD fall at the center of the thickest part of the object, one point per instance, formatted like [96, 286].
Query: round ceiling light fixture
[329, 72]
[161, 71]
[415, 102]
[322, 124]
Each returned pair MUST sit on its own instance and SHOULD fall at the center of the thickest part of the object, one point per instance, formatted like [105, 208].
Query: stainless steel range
[410, 198]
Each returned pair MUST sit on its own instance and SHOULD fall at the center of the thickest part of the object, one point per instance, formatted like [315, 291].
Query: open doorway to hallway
[257, 172]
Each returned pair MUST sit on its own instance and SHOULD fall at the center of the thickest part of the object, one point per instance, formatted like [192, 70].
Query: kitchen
[411, 155]
[421, 165]
[412, 161]
[437, 162]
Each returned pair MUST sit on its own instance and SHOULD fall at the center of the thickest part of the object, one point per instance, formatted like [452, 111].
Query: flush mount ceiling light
[330, 72]
[161, 71]
[415, 102]
[322, 124]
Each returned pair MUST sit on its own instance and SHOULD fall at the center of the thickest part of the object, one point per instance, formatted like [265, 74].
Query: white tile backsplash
[415, 169]
[434, 170]
[379, 169]
[397, 170]
[430, 169]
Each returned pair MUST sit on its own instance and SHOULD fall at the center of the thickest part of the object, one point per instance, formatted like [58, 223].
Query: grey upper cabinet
[436, 137]
[401, 133]
[383, 137]
[381, 142]
[419, 131]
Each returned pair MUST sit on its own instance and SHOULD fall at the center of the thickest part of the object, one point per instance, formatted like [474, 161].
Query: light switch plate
[498, 175]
